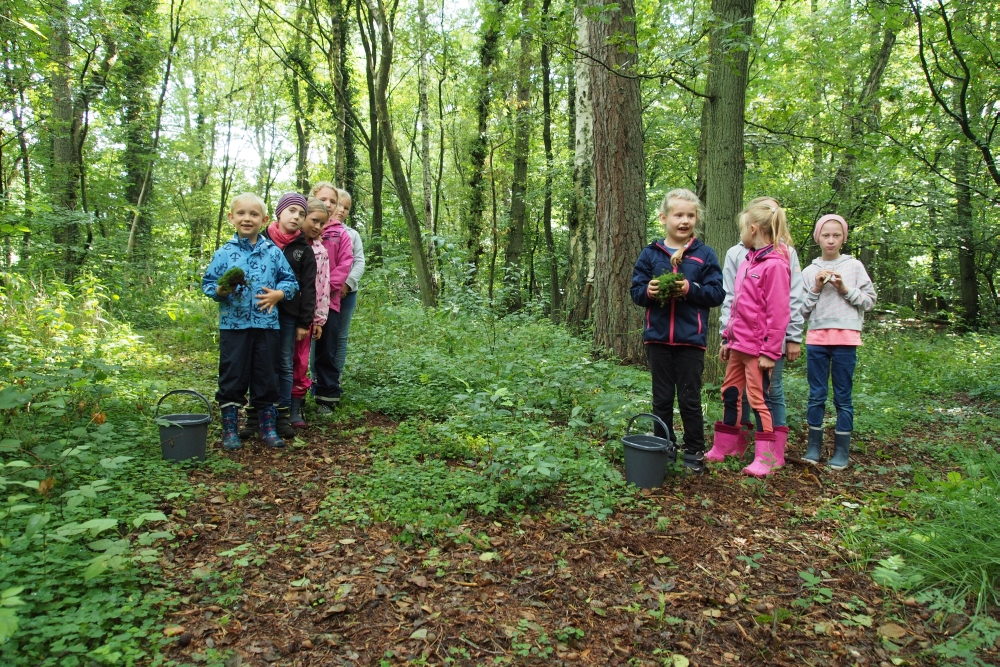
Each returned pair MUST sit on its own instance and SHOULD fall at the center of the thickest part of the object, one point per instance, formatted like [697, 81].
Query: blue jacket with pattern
[264, 266]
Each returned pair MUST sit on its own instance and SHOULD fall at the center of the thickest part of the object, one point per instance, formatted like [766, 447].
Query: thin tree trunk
[581, 222]
[376, 150]
[377, 11]
[620, 169]
[519, 186]
[550, 244]
[966, 236]
[725, 88]
[423, 77]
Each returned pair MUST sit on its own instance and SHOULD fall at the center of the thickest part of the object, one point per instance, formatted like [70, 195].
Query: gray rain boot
[694, 462]
[841, 448]
[296, 416]
[814, 450]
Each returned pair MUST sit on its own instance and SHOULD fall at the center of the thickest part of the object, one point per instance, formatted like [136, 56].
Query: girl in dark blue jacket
[676, 320]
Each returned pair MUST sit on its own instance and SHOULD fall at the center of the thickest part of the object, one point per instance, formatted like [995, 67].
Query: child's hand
[821, 280]
[681, 288]
[765, 363]
[653, 289]
[838, 281]
[222, 292]
[724, 353]
[317, 331]
[344, 290]
[793, 351]
[269, 299]
[301, 334]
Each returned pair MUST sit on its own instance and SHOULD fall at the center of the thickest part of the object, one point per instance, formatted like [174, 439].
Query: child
[755, 335]
[838, 294]
[793, 339]
[312, 228]
[296, 315]
[676, 321]
[248, 331]
[337, 243]
[349, 293]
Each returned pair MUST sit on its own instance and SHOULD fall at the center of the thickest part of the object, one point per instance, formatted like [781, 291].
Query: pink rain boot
[782, 433]
[768, 457]
[725, 443]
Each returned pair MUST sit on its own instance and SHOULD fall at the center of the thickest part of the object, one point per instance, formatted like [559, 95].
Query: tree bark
[519, 187]
[620, 169]
[581, 222]
[725, 88]
[423, 77]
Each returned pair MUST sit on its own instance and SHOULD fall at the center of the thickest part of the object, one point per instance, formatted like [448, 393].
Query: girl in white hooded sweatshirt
[838, 294]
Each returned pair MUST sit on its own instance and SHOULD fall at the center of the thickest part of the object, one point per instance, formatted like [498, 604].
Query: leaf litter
[727, 581]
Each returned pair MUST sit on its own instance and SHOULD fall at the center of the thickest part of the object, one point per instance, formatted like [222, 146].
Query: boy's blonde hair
[248, 198]
[316, 206]
[325, 184]
[685, 195]
[767, 214]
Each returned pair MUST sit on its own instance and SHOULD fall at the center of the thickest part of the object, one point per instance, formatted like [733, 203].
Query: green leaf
[35, 523]
[98, 526]
[8, 624]
[96, 567]
[148, 516]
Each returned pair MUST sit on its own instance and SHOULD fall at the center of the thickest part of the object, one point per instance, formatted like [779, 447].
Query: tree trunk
[581, 218]
[376, 146]
[966, 237]
[377, 11]
[477, 151]
[519, 186]
[140, 59]
[423, 76]
[550, 244]
[302, 101]
[620, 169]
[725, 88]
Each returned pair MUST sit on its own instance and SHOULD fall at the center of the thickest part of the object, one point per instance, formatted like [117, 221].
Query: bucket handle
[187, 391]
[628, 429]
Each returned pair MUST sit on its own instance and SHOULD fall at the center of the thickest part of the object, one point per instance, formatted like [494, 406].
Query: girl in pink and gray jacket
[754, 338]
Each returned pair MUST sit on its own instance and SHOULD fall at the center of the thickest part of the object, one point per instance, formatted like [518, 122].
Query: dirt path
[628, 590]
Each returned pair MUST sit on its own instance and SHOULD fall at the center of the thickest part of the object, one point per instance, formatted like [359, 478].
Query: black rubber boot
[814, 451]
[249, 429]
[841, 450]
[284, 424]
[694, 463]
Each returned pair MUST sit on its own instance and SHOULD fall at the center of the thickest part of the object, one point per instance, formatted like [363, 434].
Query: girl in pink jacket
[755, 335]
[338, 245]
[312, 227]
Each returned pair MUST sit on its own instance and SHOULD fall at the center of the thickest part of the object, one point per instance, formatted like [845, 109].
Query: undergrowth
[82, 479]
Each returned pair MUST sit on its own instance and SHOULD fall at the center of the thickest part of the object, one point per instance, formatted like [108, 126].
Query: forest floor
[690, 587]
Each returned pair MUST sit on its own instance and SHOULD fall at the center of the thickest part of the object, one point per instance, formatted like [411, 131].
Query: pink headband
[825, 219]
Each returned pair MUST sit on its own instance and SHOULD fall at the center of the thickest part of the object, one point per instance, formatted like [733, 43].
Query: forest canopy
[466, 133]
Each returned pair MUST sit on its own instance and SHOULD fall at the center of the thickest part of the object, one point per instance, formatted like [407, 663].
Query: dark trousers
[676, 370]
[326, 375]
[248, 359]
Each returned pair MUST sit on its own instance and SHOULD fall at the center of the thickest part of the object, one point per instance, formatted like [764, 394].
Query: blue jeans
[326, 376]
[347, 305]
[777, 396]
[822, 361]
[286, 350]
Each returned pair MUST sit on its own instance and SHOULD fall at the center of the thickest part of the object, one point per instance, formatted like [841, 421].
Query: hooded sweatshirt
[338, 246]
[760, 312]
[828, 308]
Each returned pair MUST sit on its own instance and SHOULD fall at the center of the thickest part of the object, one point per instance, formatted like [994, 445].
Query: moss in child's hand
[669, 286]
[233, 280]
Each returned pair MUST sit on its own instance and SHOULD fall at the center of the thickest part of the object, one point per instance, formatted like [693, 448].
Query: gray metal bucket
[184, 436]
[647, 457]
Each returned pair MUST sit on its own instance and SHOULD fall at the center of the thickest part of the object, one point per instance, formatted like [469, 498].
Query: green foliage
[668, 286]
[232, 280]
[79, 523]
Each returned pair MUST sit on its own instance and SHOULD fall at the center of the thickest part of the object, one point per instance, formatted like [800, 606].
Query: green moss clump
[233, 280]
[668, 286]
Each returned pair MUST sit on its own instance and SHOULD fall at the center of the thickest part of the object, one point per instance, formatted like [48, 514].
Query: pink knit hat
[825, 219]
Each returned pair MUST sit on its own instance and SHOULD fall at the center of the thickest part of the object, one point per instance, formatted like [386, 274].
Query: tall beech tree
[620, 169]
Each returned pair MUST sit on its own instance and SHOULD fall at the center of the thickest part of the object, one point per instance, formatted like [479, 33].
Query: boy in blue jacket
[676, 321]
[248, 320]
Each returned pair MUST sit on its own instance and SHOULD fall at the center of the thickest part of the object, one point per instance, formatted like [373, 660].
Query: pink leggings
[300, 368]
